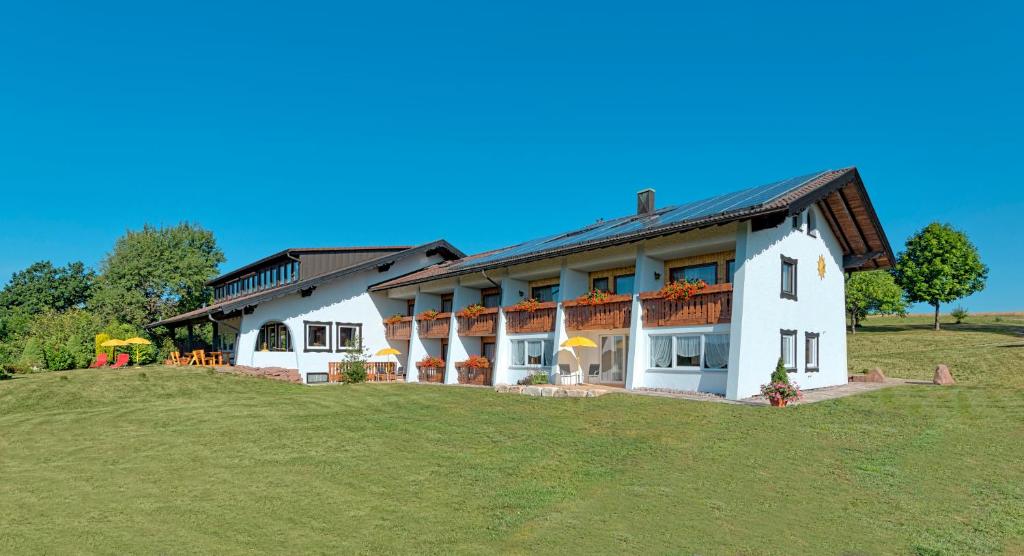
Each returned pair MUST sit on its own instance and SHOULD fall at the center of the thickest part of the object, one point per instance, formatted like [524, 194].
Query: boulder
[533, 391]
[874, 375]
[942, 376]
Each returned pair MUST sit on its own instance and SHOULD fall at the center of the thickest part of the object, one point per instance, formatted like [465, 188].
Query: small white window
[788, 289]
[788, 346]
[350, 336]
[812, 223]
[531, 353]
[318, 336]
[811, 351]
[316, 378]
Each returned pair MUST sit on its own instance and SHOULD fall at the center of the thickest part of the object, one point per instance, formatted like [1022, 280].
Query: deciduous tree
[872, 293]
[42, 287]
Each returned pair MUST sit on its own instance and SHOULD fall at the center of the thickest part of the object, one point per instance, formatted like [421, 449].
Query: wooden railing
[401, 330]
[431, 374]
[519, 321]
[484, 324]
[375, 370]
[712, 305]
[438, 327]
[474, 376]
[614, 312]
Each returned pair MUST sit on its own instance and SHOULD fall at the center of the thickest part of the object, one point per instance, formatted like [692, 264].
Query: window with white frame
[788, 275]
[788, 349]
[349, 336]
[316, 378]
[318, 336]
[690, 351]
[812, 223]
[811, 351]
[531, 352]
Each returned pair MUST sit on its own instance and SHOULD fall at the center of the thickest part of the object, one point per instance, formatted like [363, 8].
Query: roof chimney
[645, 201]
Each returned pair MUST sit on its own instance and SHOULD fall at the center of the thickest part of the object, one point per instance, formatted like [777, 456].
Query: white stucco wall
[695, 380]
[759, 312]
[344, 300]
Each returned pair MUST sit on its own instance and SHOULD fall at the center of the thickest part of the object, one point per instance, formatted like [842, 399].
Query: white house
[773, 258]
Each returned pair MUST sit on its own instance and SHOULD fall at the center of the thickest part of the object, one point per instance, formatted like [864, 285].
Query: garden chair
[198, 358]
[101, 361]
[566, 376]
[175, 359]
[121, 361]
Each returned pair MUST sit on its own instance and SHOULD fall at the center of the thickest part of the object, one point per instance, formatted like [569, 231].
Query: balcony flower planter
[710, 305]
[475, 370]
[431, 369]
[478, 322]
[598, 311]
[530, 316]
[398, 327]
[433, 324]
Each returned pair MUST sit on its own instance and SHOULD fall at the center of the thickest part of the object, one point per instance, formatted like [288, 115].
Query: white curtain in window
[716, 351]
[688, 346]
[533, 352]
[518, 353]
[661, 351]
[788, 350]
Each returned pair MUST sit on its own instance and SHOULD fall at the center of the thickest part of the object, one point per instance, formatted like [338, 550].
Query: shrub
[98, 345]
[539, 378]
[32, 356]
[354, 367]
[780, 375]
[960, 314]
[59, 359]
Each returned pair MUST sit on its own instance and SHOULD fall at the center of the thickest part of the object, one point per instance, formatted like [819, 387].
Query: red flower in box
[471, 311]
[529, 305]
[429, 314]
[593, 297]
[393, 319]
[682, 290]
[476, 362]
[430, 361]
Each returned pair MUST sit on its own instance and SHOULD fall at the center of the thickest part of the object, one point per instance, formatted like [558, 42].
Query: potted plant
[779, 391]
[476, 362]
[681, 290]
[430, 362]
[429, 314]
[393, 319]
[529, 305]
[594, 297]
[473, 310]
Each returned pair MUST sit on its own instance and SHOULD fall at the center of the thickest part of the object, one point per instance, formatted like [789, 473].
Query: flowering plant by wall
[779, 393]
[529, 305]
[429, 314]
[682, 290]
[396, 318]
[471, 311]
[430, 361]
[594, 297]
[476, 362]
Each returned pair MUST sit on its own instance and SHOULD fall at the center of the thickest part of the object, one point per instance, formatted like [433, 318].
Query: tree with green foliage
[939, 265]
[155, 273]
[872, 293]
[43, 286]
[780, 374]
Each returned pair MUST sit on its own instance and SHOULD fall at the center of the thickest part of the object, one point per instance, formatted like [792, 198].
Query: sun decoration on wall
[821, 266]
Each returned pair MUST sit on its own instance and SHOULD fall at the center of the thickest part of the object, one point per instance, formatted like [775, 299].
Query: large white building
[773, 258]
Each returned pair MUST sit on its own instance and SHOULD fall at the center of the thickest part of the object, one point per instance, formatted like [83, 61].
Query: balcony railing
[484, 324]
[713, 305]
[437, 327]
[613, 312]
[401, 330]
[474, 376]
[521, 321]
[431, 374]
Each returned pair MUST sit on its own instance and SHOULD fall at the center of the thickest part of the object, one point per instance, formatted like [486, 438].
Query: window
[788, 349]
[489, 350]
[273, 336]
[490, 298]
[350, 336]
[812, 223]
[316, 378]
[601, 284]
[788, 278]
[410, 307]
[545, 293]
[690, 351]
[811, 351]
[446, 303]
[730, 270]
[318, 336]
[624, 283]
[531, 353]
[707, 272]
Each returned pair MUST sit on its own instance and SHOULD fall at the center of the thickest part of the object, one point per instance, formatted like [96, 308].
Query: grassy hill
[184, 461]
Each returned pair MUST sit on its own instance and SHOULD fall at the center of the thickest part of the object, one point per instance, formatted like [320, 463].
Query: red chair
[101, 361]
[122, 360]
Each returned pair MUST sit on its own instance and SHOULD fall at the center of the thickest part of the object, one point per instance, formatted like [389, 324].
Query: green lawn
[183, 461]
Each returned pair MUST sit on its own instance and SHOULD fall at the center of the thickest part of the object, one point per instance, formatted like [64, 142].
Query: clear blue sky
[301, 124]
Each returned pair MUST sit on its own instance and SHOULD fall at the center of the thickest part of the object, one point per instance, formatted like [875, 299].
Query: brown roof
[832, 186]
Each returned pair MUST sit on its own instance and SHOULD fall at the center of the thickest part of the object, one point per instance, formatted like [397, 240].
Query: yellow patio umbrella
[114, 343]
[137, 342]
[575, 342]
[390, 351]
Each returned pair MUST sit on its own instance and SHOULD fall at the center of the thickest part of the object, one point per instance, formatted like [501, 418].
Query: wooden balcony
[519, 321]
[614, 312]
[481, 377]
[713, 305]
[431, 374]
[484, 324]
[437, 327]
[401, 330]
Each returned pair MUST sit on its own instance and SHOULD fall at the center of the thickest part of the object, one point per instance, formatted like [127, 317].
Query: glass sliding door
[614, 350]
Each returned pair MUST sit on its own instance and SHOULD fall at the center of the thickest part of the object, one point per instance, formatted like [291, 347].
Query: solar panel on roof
[729, 202]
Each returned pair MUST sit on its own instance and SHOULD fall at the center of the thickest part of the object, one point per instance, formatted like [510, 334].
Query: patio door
[614, 350]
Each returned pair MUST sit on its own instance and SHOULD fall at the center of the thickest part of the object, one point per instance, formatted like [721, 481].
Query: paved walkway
[841, 391]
